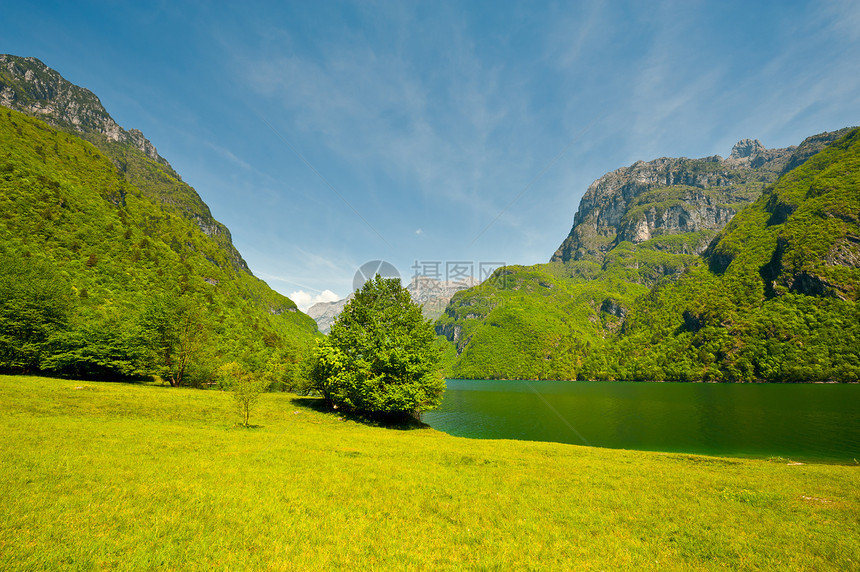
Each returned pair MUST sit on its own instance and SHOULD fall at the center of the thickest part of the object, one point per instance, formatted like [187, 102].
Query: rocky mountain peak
[29, 86]
[674, 196]
[747, 148]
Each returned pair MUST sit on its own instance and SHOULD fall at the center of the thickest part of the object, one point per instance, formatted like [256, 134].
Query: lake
[806, 422]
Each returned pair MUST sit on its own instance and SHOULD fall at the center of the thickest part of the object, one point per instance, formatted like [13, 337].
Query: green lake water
[806, 422]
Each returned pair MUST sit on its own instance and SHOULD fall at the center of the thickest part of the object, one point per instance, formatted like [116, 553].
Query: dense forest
[106, 270]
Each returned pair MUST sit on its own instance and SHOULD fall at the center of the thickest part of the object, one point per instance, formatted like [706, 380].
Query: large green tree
[380, 356]
[34, 311]
[175, 334]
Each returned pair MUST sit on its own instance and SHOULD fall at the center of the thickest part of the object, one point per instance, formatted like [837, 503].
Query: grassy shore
[112, 476]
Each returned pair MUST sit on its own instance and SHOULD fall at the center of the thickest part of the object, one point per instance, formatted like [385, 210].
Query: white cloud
[305, 300]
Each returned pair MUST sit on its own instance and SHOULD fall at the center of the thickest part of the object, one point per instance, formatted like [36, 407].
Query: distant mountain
[638, 230]
[431, 294]
[325, 313]
[669, 197]
[95, 216]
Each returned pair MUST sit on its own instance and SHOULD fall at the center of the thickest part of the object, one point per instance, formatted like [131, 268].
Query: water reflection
[799, 421]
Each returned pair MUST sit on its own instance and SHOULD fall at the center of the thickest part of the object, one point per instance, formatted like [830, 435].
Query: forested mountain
[775, 296]
[744, 268]
[645, 279]
[29, 86]
[110, 265]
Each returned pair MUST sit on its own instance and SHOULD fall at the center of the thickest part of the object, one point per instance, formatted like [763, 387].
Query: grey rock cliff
[671, 196]
[325, 313]
[29, 86]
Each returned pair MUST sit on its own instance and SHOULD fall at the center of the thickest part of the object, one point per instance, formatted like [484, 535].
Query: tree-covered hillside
[535, 322]
[29, 86]
[627, 295]
[102, 275]
[775, 297]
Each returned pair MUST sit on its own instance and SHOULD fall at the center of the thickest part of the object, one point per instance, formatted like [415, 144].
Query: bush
[245, 386]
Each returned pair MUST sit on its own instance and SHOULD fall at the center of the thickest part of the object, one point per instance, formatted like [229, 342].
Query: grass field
[130, 477]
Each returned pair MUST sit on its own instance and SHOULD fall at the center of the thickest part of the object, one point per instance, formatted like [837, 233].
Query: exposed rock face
[138, 140]
[676, 196]
[747, 148]
[433, 296]
[845, 252]
[325, 313]
[613, 307]
[29, 86]
[695, 211]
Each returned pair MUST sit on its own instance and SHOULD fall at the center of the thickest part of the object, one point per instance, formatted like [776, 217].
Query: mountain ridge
[638, 230]
[708, 193]
[30, 86]
[142, 280]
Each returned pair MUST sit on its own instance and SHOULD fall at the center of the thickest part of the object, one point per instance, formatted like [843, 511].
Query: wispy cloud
[230, 156]
[432, 123]
[844, 18]
[449, 135]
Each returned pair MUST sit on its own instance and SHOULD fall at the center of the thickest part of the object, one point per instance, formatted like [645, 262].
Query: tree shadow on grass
[84, 378]
[400, 421]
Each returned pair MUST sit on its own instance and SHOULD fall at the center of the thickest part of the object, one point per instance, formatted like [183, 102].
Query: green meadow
[128, 477]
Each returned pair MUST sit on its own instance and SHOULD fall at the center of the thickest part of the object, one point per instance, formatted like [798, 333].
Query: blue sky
[326, 134]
